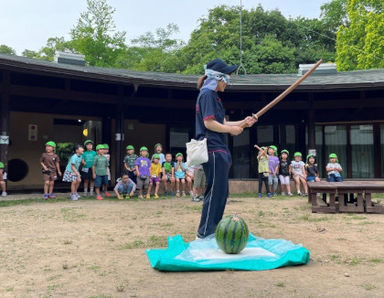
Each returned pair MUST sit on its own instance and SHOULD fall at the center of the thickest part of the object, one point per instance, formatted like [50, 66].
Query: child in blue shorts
[180, 169]
[100, 174]
[311, 168]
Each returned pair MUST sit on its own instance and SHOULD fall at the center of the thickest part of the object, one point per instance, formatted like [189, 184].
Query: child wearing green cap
[143, 165]
[273, 165]
[86, 172]
[108, 156]
[2, 182]
[130, 163]
[334, 169]
[159, 150]
[99, 169]
[50, 164]
[311, 168]
[155, 176]
[297, 168]
[180, 169]
[263, 171]
[284, 174]
[72, 173]
[168, 168]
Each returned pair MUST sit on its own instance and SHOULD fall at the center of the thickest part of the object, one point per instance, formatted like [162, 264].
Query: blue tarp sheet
[203, 255]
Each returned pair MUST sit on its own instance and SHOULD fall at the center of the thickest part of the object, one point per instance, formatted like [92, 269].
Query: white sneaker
[191, 193]
[299, 193]
[290, 194]
[77, 195]
[74, 197]
[85, 193]
[4, 194]
[91, 193]
[283, 193]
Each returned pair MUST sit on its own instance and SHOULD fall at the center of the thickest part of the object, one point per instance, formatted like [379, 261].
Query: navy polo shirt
[209, 106]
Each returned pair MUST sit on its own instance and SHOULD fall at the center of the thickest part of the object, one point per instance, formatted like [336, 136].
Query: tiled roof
[340, 80]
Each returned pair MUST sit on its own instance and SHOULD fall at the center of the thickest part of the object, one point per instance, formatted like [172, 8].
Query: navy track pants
[216, 194]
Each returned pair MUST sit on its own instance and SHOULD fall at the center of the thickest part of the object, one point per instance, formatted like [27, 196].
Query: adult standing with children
[211, 123]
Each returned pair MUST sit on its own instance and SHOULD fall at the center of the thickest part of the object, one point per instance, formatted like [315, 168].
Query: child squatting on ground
[284, 174]
[143, 165]
[50, 164]
[297, 168]
[72, 174]
[100, 171]
[125, 187]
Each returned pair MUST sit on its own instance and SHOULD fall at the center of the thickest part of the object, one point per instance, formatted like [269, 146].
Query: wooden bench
[346, 196]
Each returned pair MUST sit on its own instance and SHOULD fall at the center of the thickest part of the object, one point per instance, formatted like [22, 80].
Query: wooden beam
[4, 116]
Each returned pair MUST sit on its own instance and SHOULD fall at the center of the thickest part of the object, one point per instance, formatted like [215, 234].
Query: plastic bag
[197, 152]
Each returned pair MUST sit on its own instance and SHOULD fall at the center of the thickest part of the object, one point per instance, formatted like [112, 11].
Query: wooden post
[4, 122]
[119, 132]
[311, 125]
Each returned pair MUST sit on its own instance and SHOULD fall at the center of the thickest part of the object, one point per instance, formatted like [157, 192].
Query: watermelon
[232, 234]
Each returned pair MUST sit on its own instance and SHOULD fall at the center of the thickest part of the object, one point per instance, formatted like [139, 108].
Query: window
[362, 151]
[241, 155]
[336, 142]
[178, 137]
[265, 135]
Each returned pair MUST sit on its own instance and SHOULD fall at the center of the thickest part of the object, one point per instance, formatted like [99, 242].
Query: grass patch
[71, 214]
[368, 286]
[280, 284]
[354, 217]
[376, 261]
[153, 241]
[314, 219]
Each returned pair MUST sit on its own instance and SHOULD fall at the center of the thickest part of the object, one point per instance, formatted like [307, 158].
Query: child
[284, 174]
[72, 174]
[311, 168]
[2, 182]
[198, 184]
[50, 163]
[159, 150]
[155, 176]
[273, 165]
[168, 174]
[86, 172]
[106, 154]
[125, 187]
[130, 163]
[180, 169]
[334, 169]
[143, 165]
[263, 167]
[190, 172]
[99, 169]
[297, 168]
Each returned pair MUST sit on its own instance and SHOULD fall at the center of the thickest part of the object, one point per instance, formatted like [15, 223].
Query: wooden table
[346, 196]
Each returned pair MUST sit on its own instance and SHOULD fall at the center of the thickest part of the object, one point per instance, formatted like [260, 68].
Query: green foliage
[360, 44]
[4, 49]
[271, 42]
[95, 35]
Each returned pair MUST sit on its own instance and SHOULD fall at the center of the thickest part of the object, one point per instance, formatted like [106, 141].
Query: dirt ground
[95, 248]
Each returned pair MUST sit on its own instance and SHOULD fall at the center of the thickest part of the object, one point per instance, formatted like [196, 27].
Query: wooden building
[40, 101]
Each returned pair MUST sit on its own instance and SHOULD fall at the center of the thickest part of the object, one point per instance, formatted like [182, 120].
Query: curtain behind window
[336, 142]
[362, 151]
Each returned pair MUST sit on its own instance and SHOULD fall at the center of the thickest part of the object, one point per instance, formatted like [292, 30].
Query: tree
[360, 44]
[48, 51]
[95, 35]
[4, 49]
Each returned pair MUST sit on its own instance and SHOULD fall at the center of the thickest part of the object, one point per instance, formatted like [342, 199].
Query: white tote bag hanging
[197, 152]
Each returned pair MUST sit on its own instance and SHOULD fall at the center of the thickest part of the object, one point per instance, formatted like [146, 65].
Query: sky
[26, 24]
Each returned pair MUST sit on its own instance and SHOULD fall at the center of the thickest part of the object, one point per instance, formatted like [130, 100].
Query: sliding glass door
[336, 142]
[362, 151]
